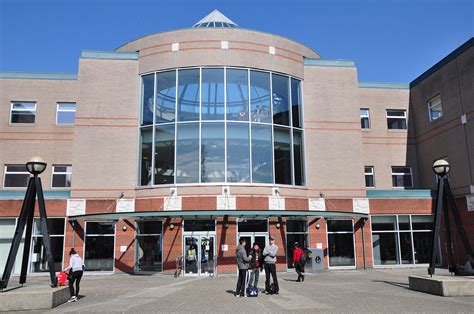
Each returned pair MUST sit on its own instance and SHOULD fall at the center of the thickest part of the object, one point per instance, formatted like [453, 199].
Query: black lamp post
[35, 166]
[445, 203]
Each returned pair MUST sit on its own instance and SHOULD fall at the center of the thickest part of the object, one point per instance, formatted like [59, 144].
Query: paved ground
[376, 291]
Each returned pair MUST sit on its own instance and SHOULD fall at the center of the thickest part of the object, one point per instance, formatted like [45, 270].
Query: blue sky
[390, 40]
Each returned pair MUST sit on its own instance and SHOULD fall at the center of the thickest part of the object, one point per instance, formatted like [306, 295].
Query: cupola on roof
[215, 19]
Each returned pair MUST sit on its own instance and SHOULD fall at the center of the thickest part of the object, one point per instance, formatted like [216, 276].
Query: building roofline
[385, 85]
[109, 55]
[38, 76]
[329, 62]
[210, 29]
[454, 54]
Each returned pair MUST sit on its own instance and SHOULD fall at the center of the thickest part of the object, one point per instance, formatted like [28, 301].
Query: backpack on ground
[305, 257]
[252, 291]
[273, 288]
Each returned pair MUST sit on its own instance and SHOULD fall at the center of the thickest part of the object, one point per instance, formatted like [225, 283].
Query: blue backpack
[252, 291]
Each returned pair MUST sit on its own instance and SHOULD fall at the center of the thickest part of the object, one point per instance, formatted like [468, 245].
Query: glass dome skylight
[215, 19]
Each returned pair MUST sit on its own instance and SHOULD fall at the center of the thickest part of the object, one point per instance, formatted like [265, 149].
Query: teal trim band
[20, 194]
[401, 193]
[329, 63]
[38, 76]
[384, 85]
[219, 213]
[109, 55]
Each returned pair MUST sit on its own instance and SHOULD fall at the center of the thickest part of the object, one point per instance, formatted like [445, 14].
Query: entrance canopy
[219, 213]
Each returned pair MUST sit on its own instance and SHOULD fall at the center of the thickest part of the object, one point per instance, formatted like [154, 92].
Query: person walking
[255, 265]
[270, 254]
[297, 262]
[76, 269]
[243, 262]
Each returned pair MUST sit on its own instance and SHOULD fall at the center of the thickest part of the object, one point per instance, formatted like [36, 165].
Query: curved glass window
[221, 125]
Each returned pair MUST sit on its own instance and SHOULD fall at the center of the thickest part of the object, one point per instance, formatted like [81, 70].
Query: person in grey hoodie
[243, 262]
[270, 254]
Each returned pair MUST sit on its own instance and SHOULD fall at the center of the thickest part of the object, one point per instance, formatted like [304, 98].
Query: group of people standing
[256, 260]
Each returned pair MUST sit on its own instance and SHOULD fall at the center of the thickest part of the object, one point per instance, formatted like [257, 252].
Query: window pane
[238, 152]
[16, 168]
[149, 253]
[422, 222]
[67, 106]
[237, 95]
[149, 227]
[253, 225]
[99, 253]
[296, 102]
[384, 223]
[145, 158]
[406, 248]
[296, 226]
[188, 95]
[55, 226]
[164, 154]
[341, 249]
[39, 262]
[339, 225]
[260, 96]
[364, 119]
[385, 247]
[298, 155]
[435, 108]
[422, 245]
[404, 222]
[212, 94]
[281, 109]
[262, 154]
[28, 106]
[100, 227]
[16, 180]
[165, 96]
[291, 238]
[147, 99]
[212, 152]
[282, 153]
[396, 113]
[187, 153]
[66, 117]
[369, 181]
[61, 181]
[23, 117]
[199, 225]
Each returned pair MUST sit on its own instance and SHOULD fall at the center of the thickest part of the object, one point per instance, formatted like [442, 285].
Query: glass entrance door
[252, 238]
[199, 254]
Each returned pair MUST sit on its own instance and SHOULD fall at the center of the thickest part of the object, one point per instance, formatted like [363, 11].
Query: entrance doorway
[252, 238]
[253, 231]
[199, 254]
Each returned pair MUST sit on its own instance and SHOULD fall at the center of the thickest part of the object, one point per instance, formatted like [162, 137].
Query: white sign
[319, 245]
[125, 205]
[360, 205]
[470, 202]
[224, 44]
[225, 202]
[224, 247]
[172, 203]
[123, 248]
[317, 204]
[174, 46]
[76, 207]
[276, 203]
[271, 50]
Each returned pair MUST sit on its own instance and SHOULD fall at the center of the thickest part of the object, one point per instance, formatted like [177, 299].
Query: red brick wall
[172, 244]
[124, 261]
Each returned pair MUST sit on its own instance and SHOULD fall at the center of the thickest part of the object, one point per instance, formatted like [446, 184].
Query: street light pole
[35, 166]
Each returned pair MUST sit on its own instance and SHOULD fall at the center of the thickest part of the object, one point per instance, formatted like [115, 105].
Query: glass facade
[401, 239]
[221, 125]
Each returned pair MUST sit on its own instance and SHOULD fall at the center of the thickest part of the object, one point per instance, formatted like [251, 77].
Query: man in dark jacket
[243, 261]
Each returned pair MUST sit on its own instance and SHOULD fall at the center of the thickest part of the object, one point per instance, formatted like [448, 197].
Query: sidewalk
[375, 291]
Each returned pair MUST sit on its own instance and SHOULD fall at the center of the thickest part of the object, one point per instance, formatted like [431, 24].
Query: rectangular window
[298, 156]
[23, 112]
[212, 152]
[396, 119]
[199, 225]
[39, 262]
[164, 154]
[296, 103]
[99, 246]
[238, 153]
[7, 231]
[369, 176]
[146, 142]
[282, 156]
[62, 176]
[187, 153]
[262, 154]
[281, 110]
[65, 113]
[149, 246]
[364, 118]
[435, 108]
[341, 243]
[16, 176]
[296, 231]
[402, 177]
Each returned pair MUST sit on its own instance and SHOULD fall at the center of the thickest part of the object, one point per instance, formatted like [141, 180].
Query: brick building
[177, 144]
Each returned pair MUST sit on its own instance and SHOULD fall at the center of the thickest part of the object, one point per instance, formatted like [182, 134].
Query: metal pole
[363, 240]
[44, 231]
[436, 226]
[27, 244]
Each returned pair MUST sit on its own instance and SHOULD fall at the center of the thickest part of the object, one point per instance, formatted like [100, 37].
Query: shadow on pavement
[230, 291]
[396, 284]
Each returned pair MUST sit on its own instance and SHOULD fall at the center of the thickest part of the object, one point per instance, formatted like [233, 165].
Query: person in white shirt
[76, 268]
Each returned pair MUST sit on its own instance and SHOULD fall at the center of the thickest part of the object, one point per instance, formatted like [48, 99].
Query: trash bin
[316, 261]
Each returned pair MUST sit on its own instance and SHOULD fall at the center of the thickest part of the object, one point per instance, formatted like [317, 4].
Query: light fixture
[124, 228]
[171, 226]
[318, 226]
[278, 225]
[441, 167]
[36, 165]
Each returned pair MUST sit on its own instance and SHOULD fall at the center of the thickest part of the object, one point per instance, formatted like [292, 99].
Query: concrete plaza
[376, 291]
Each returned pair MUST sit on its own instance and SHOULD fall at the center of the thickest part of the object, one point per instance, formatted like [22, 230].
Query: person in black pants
[243, 262]
[76, 269]
[270, 257]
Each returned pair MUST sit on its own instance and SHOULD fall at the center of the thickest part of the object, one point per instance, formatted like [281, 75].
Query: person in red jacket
[297, 263]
